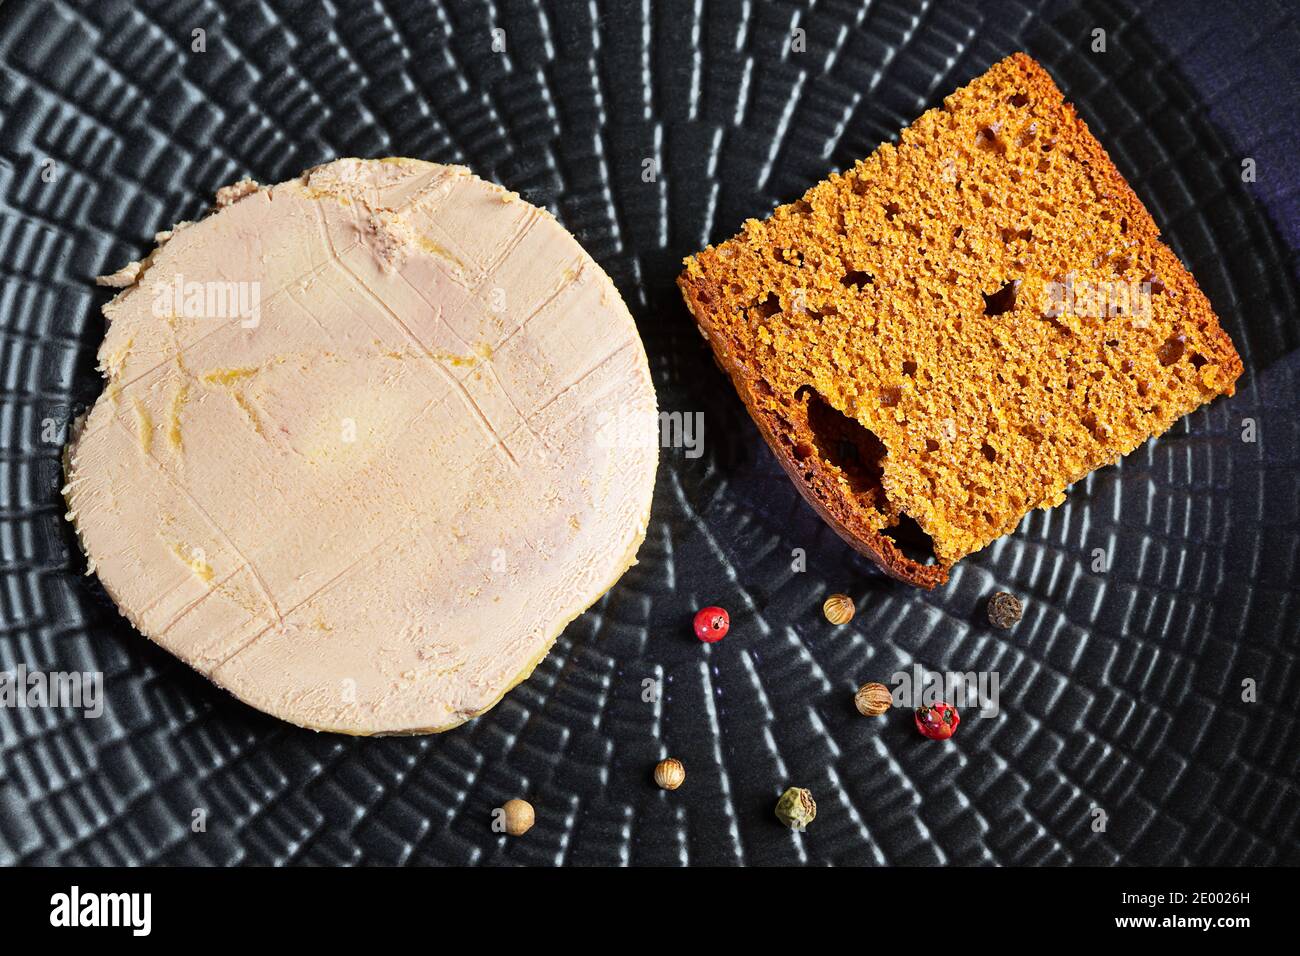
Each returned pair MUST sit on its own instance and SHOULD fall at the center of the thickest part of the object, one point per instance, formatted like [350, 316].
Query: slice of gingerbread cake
[960, 327]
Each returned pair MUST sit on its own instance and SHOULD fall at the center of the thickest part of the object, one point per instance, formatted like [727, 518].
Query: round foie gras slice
[370, 439]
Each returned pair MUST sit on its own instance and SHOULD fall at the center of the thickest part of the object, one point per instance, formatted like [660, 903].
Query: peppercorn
[712, 624]
[519, 816]
[1004, 610]
[838, 609]
[938, 722]
[872, 700]
[670, 773]
[796, 808]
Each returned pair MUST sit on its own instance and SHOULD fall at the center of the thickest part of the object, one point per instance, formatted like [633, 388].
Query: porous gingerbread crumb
[961, 326]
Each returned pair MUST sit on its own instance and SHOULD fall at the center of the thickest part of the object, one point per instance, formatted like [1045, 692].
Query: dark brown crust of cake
[702, 290]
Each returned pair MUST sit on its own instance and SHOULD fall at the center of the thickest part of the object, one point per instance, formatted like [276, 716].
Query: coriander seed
[670, 773]
[519, 816]
[838, 609]
[873, 699]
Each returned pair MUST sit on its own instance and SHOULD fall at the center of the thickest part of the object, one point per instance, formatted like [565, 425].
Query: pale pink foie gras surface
[372, 506]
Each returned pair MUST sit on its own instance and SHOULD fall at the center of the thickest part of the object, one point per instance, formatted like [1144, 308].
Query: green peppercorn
[796, 808]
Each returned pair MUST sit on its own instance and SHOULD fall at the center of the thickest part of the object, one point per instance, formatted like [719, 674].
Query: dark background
[1120, 691]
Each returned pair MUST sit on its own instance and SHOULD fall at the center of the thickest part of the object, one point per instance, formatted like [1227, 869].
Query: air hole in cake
[1089, 422]
[1172, 350]
[1019, 100]
[891, 210]
[769, 306]
[856, 279]
[1057, 324]
[987, 139]
[802, 207]
[909, 368]
[988, 452]
[890, 396]
[911, 539]
[1004, 300]
[1153, 284]
[1198, 360]
[843, 443]
[931, 445]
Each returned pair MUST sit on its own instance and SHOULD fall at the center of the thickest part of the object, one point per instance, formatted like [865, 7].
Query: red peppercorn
[712, 624]
[938, 722]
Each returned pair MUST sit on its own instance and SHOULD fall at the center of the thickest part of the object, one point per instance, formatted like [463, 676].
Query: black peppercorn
[1004, 610]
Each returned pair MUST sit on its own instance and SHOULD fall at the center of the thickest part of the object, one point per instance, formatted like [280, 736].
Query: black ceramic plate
[1121, 690]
